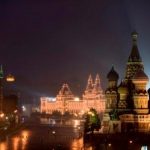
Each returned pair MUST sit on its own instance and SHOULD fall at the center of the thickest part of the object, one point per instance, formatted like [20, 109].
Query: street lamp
[1, 115]
[10, 78]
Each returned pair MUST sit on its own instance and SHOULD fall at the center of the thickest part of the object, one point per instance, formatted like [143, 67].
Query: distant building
[127, 104]
[8, 98]
[10, 104]
[93, 97]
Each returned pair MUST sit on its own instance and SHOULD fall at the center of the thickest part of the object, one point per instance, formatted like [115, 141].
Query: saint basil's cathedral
[127, 104]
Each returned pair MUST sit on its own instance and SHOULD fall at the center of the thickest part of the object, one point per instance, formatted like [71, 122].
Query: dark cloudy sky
[47, 43]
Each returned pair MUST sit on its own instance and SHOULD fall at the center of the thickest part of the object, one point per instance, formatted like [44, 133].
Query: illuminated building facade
[93, 97]
[127, 104]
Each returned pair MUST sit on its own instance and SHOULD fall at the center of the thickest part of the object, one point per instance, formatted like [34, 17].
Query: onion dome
[123, 89]
[112, 75]
[140, 75]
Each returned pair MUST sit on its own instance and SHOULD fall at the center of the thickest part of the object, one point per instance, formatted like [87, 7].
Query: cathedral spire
[134, 61]
[134, 55]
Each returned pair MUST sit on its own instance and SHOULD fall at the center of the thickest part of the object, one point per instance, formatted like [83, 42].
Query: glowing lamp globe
[10, 78]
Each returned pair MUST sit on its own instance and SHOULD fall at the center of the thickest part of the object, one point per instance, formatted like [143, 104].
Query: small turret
[89, 86]
[97, 87]
[97, 80]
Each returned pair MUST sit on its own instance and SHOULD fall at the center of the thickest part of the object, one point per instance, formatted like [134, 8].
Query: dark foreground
[128, 141]
[41, 137]
[48, 137]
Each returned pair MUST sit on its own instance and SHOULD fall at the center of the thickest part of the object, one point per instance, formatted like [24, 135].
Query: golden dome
[122, 89]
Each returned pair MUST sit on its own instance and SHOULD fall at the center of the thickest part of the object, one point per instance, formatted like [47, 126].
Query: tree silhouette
[92, 121]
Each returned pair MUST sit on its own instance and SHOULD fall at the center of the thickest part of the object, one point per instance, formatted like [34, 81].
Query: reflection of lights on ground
[53, 132]
[24, 136]
[25, 133]
[3, 146]
[77, 144]
[15, 143]
[109, 144]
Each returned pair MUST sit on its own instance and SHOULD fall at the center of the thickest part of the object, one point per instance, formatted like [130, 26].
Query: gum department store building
[93, 97]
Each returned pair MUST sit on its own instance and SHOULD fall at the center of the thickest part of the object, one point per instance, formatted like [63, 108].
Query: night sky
[47, 43]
